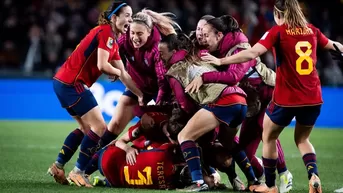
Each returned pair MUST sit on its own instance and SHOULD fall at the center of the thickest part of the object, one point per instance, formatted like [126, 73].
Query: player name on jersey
[299, 31]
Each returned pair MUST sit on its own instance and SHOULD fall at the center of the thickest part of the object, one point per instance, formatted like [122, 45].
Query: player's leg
[123, 114]
[275, 120]
[306, 118]
[286, 178]
[70, 145]
[68, 95]
[249, 140]
[202, 122]
[205, 120]
[87, 108]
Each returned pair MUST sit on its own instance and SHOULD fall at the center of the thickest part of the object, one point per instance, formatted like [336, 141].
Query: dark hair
[207, 17]
[114, 9]
[291, 11]
[224, 24]
[182, 42]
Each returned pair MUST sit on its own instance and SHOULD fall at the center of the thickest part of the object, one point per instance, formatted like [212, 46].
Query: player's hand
[336, 54]
[165, 131]
[141, 101]
[210, 59]
[147, 121]
[131, 154]
[113, 78]
[195, 85]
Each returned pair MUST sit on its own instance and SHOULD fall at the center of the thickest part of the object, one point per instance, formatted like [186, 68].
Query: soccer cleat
[58, 174]
[99, 181]
[266, 189]
[237, 184]
[79, 179]
[339, 190]
[262, 179]
[195, 187]
[314, 184]
[286, 182]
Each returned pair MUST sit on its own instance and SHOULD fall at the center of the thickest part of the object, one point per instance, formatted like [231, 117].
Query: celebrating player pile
[217, 83]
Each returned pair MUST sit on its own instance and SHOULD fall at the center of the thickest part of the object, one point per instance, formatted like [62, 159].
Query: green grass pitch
[28, 148]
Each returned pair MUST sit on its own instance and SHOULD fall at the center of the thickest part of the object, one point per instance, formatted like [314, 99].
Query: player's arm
[123, 141]
[131, 152]
[241, 57]
[264, 44]
[127, 80]
[103, 64]
[335, 48]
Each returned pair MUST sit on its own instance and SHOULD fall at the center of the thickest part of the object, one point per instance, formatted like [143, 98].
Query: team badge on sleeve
[110, 42]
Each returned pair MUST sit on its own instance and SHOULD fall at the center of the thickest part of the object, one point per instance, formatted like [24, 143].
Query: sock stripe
[64, 145]
[244, 159]
[311, 163]
[93, 136]
[195, 157]
[85, 154]
[188, 145]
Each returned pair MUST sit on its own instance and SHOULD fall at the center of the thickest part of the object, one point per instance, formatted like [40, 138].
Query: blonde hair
[291, 11]
[162, 21]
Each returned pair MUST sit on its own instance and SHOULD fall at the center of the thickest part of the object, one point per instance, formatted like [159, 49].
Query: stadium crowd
[38, 35]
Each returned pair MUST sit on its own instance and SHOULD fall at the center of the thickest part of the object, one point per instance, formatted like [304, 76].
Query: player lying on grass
[151, 154]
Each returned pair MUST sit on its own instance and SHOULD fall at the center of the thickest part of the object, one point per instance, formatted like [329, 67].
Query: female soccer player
[139, 46]
[97, 53]
[297, 89]
[223, 37]
[198, 32]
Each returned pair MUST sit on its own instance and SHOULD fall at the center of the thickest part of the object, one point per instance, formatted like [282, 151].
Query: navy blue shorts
[146, 97]
[76, 99]
[232, 115]
[283, 116]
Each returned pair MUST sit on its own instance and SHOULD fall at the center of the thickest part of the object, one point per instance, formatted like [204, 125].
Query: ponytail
[163, 21]
[103, 18]
[291, 11]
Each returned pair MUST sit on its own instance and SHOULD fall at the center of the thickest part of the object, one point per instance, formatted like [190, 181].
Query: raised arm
[239, 58]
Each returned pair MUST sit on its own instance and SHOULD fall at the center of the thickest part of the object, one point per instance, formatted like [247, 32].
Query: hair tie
[115, 10]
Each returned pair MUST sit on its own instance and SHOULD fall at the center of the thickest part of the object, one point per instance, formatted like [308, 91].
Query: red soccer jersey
[154, 168]
[81, 66]
[297, 81]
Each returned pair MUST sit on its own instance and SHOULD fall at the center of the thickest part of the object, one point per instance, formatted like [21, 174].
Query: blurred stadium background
[36, 36]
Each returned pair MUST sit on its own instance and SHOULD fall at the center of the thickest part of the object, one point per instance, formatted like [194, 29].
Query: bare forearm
[238, 58]
[108, 69]
[128, 82]
[122, 145]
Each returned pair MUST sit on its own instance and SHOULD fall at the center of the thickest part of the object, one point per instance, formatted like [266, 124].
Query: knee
[85, 129]
[99, 128]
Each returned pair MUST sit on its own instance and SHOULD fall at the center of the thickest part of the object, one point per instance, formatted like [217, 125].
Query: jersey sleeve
[269, 38]
[134, 131]
[108, 43]
[322, 39]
